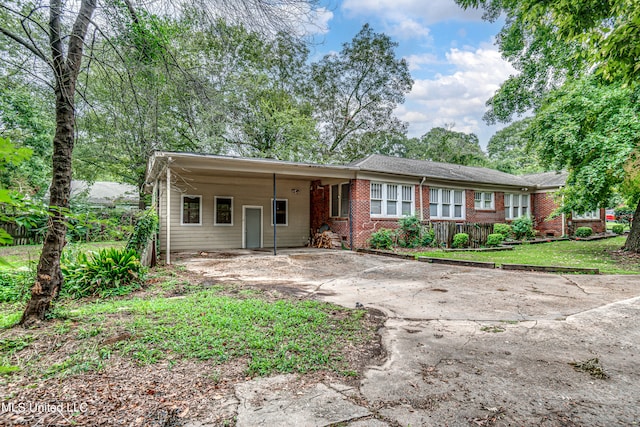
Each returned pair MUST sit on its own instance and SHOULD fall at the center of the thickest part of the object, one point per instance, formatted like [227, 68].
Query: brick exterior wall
[485, 216]
[543, 204]
[597, 225]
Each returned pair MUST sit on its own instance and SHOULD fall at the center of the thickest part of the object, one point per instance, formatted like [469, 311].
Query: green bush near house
[522, 228]
[495, 239]
[618, 228]
[460, 240]
[410, 232]
[504, 229]
[584, 232]
[382, 239]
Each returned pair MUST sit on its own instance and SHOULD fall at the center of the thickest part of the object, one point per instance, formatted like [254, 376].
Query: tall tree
[591, 45]
[57, 33]
[448, 146]
[26, 119]
[355, 91]
[512, 149]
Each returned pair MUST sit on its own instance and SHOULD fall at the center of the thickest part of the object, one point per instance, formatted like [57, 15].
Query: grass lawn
[175, 318]
[601, 254]
[28, 255]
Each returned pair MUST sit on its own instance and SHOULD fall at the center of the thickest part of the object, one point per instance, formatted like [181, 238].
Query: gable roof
[437, 170]
[547, 179]
[105, 192]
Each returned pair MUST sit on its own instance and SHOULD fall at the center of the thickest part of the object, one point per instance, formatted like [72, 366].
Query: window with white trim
[484, 201]
[446, 203]
[223, 210]
[594, 214]
[340, 200]
[392, 200]
[516, 205]
[282, 212]
[191, 213]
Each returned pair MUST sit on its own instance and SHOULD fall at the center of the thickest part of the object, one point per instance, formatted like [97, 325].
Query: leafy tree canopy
[512, 150]
[448, 146]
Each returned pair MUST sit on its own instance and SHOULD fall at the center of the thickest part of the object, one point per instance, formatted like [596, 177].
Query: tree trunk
[49, 277]
[633, 240]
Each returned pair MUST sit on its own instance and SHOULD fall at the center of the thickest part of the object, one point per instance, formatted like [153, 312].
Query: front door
[252, 226]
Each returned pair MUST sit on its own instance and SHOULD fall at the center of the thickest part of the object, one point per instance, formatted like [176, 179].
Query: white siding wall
[251, 192]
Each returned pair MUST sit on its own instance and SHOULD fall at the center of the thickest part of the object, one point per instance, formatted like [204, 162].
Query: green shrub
[146, 226]
[495, 239]
[504, 229]
[108, 272]
[382, 239]
[410, 232]
[15, 285]
[522, 228]
[460, 240]
[428, 237]
[618, 228]
[584, 232]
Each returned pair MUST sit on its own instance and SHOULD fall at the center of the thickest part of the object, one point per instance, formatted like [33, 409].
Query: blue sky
[451, 53]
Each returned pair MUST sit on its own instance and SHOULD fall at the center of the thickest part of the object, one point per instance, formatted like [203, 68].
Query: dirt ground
[469, 346]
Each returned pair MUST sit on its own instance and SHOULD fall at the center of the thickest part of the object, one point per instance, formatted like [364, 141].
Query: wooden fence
[22, 235]
[444, 232]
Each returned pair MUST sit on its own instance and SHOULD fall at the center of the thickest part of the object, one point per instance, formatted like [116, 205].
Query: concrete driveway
[465, 346]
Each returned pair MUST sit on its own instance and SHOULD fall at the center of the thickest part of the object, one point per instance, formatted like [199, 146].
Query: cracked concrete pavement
[464, 346]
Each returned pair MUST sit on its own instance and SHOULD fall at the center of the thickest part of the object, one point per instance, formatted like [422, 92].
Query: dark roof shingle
[437, 170]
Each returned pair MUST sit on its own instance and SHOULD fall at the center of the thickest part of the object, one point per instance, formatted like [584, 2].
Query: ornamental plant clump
[382, 239]
[504, 229]
[522, 228]
[584, 232]
[460, 240]
[495, 239]
[109, 272]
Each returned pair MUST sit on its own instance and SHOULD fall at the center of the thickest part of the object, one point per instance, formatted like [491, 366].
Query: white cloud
[400, 10]
[416, 61]
[458, 97]
[409, 29]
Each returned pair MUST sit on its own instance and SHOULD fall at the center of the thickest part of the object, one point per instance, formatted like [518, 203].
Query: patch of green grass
[281, 336]
[8, 369]
[585, 254]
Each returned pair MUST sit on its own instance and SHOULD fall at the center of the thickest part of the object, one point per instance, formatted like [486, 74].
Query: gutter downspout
[168, 212]
[351, 214]
[564, 218]
[421, 206]
[273, 210]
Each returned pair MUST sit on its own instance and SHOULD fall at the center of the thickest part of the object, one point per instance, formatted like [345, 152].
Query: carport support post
[273, 213]
[168, 244]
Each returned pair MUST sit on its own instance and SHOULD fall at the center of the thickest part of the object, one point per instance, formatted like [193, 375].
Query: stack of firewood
[327, 239]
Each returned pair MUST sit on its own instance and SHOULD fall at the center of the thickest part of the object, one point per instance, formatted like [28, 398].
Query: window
[282, 211]
[376, 199]
[191, 210]
[483, 201]
[223, 207]
[393, 200]
[516, 205]
[445, 203]
[594, 214]
[340, 200]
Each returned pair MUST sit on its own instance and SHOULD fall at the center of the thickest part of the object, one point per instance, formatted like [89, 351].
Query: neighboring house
[218, 202]
[105, 194]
